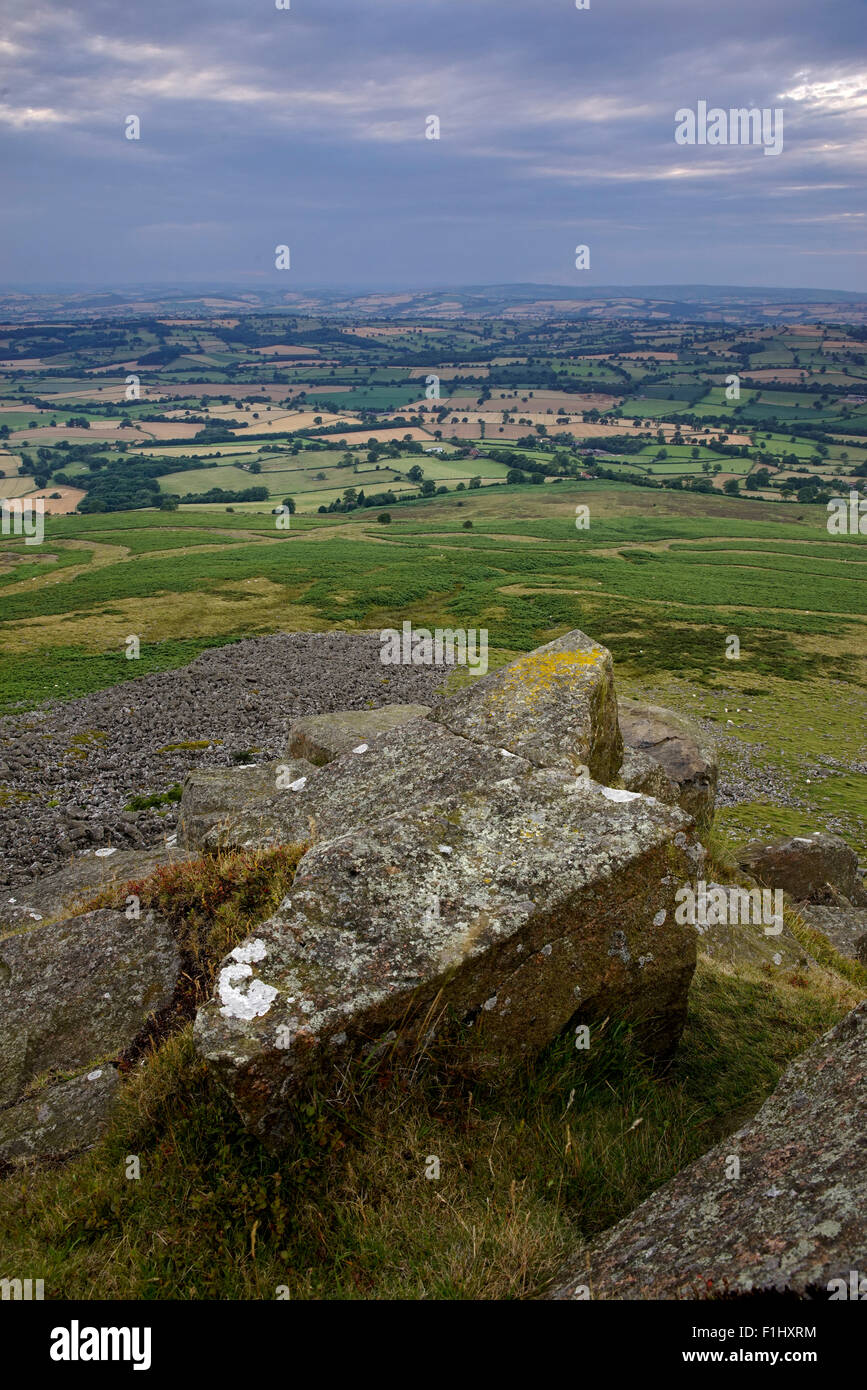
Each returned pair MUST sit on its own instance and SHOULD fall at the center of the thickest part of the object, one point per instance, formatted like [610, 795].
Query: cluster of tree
[219, 432]
[221, 494]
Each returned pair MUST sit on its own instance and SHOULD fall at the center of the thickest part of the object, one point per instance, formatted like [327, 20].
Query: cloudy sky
[306, 126]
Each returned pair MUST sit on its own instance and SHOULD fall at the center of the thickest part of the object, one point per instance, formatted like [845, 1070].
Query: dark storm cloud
[306, 126]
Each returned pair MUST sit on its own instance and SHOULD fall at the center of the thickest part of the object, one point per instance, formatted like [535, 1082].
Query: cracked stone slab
[555, 707]
[79, 989]
[792, 1221]
[321, 737]
[211, 795]
[417, 762]
[518, 907]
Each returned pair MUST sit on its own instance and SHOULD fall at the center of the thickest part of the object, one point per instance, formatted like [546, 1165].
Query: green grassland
[660, 578]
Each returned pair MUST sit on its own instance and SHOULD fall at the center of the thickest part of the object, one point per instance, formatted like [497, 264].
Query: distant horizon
[586, 289]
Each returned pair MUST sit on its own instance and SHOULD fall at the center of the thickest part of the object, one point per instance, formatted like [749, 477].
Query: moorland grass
[530, 1163]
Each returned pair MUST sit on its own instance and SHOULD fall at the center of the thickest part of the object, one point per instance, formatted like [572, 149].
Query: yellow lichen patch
[537, 674]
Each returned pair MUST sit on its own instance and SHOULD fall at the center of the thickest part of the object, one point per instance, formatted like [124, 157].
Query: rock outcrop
[679, 747]
[555, 707]
[777, 1207]
[735, 938]
[417, 763]
[60, 894]
[59, 1120]
[843, 925]
[514, 909]
[467, 865]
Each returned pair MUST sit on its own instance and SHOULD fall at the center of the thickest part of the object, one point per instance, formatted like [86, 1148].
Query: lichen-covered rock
[415, 763]
[804, 866]
[844, 926]
[320, 737]
[555, 707]
[79, 990]
[59, 1120]
[639, 773]
[515, 908]
[787, 1216]
[61, 893]
[679, 746]
[212, 794]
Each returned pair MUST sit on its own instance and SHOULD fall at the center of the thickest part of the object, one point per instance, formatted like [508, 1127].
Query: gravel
[69, 770]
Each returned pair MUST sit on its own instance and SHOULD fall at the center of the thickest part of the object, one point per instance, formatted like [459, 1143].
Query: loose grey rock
[792, 1221]
[321, 737]
[78, 990]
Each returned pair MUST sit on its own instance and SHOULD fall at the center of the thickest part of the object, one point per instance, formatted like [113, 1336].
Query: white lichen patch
[362, 748]
[298, 785]
[618, 794]
[659, 919]
[250, 951]
[258, 997]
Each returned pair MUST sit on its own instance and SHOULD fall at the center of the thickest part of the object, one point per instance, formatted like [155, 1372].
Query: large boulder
[415, 763]
[59, 1120]
[789, 1217]
[211, 795]
[680, 748]
[513, 909]
[805, 866]
[555, 707]
[639, 773]
[320, 737]
[79, 991]
[60, 894]
[843, 925]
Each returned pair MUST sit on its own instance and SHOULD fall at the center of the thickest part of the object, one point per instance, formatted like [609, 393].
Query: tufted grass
[530, 1164]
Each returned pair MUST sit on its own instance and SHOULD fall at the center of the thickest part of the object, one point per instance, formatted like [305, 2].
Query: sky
[306, 127]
